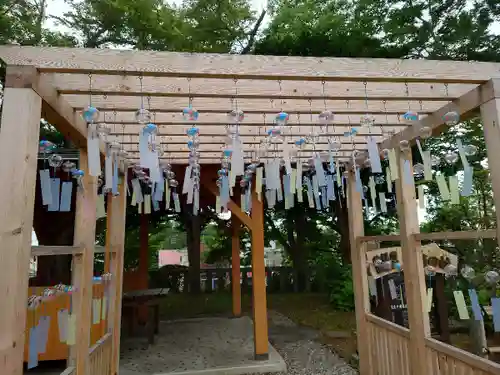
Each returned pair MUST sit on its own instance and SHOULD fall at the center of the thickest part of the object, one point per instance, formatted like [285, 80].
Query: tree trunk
[343, 227]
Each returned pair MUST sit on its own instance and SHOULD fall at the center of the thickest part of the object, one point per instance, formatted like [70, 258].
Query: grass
[311, 310]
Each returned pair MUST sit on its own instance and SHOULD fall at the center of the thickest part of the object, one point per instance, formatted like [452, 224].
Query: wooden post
[359, 273]
[19, 144]
[259, 281]
[413, 264]
[107, 252]
[119, 208]
[490, 114]
[83, 266]
[235, 268]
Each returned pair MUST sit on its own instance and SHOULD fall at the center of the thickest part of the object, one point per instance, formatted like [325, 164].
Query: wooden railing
[100, 356]
[278, 279]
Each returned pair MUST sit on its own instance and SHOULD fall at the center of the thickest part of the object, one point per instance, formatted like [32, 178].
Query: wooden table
[149, 298]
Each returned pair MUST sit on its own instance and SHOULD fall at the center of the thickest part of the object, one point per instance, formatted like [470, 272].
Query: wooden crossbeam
[226, 66]
[217, 88]
[60, 250]
[213, 140]
[248, 134]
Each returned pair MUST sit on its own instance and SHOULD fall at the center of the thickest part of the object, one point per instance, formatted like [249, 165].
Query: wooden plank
[255, 105]
[181, 87]
[38, 251]
[19, 144]
[490, 115]
[413, 265]
[466, 106]
[450, 235]
[235, 268]
[381, 238]
[227, 66]
[473, 361]
[83, 267]
[179, 142]
[359, 274]
[118, 244]
[259, 305]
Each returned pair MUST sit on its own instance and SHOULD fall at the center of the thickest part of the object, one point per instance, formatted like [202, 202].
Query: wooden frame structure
[56, 83]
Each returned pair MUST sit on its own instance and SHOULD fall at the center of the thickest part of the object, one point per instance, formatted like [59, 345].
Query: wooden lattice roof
[69, 79]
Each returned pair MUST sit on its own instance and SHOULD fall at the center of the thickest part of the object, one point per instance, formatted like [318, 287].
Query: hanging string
[386, 117]
[407, 93]
[348, 107]
[141, 91]
[90, 89]
[190, 97]
[313, 139]
[368, 117]
[280, 95]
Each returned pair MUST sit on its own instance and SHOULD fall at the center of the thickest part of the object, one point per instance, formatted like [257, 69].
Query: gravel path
[303, 354]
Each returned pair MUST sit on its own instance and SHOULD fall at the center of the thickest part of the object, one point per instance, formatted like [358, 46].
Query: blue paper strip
[329, 188]
[156, 205]
[495, 311]
[159, 190]
[115, 176]
[468, 181]
[407, 174]
[45, 186]
[55, 188]
[32, 348]
[66, 191]
[332, 164]
[474, 302]
[43, 334]
[374, 156]
[286, 184]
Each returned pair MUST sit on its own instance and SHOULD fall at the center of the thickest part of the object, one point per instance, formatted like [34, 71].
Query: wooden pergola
[57, 83]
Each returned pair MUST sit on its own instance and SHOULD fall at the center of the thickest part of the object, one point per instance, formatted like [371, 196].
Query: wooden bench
[134, 301]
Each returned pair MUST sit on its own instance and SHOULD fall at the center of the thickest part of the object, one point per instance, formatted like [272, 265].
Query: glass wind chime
[191, 185]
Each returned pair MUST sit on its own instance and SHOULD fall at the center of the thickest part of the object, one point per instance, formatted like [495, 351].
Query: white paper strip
[286, 158]
[45, 186]
[373, 191]
[167, 195]
[426, 158]
[388, 179]
[293, 182]
[298, 180]
[421, 196]
[93, 152]
[108, 169]
[383, 203]
[373, 154]
[320, 173]
[100, 210]
[136, 186]
[258, 182]
[186, 186]
[55, 188]
[393, 164]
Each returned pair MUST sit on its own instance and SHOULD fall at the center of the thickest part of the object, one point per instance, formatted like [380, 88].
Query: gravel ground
[303, 354]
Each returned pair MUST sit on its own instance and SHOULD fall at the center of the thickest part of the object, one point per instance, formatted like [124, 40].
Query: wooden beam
[414, 277]
[230, 66]
[119, 207]
[490, 115]
[38, 251]
[19, 145]
[359, 274]
[466, 106]
[450, 235]
[221, 140]
[180, 87]
[235, 267]
[259, 305]
[83, 267]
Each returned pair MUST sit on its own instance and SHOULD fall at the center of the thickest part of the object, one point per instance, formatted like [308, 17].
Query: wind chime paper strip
[298, 179]
[167, 195]
[96, 310]
[248, 197]
[186, 186]
[271, 198]
[310, 197]
[495, 311]
[177, 203]
[421, 196]
[286, 189]
[45, 186]
[300, 194]
[140, 209]
[156, 205]
[293, 182]
[243, 203]
[71, 330]
[429, 300]
[100, 208]
[32, 348]
[279, 191]
[426, 159]
[393, 165]
[62, 324]
[133, 200]
[190, 194]
[136, 186]
[372, 286]
[443, 187]
[468, 181]
[461, 152]
[108, 169]
[286, 158]
[196, 203]
[55, 188]
[454, 194]
[359, 186]
[373, 154]
[43, 334]
[324, 197]
[383, 203]
[331, 162]
[93, 152]
[66, 192]
[147, 204]
[373, 191]
[160, 190]
[392, 289]
[115, 175]
[258, 182]
[337, 173]
[463, 313]
[474, 304]
[237, 158]
[218, 206]
[408, 173]
[389, 179]
[104, 308]
[232, 180]
[315, 185]
[329, 188]
[320, 172]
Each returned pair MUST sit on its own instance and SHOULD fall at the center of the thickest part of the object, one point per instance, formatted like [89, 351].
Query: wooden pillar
[413, 264]
[83, 266]
[359, 273]
[19, 145]
[235, 268]
[490, 115]
[119, 208]
[259, 281]
[107, 253]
